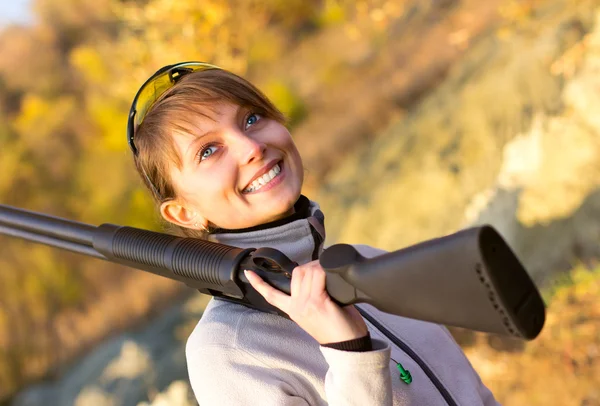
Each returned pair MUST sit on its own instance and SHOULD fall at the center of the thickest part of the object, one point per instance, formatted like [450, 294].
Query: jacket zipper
[434, 379]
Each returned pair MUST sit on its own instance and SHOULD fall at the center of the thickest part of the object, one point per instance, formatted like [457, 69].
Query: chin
[282, 208]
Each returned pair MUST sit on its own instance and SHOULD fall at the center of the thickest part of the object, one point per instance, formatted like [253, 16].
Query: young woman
[219, 160]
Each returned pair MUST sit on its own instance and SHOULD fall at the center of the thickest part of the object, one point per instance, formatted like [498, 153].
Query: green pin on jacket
[405, 375]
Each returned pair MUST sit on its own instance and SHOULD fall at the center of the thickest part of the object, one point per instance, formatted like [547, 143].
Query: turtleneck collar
[300, 235]
[301, 211]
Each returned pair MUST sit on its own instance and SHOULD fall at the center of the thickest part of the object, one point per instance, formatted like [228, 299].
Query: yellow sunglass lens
[150, 94]
[161, 83]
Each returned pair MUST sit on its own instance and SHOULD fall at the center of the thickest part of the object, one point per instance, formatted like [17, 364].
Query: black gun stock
[469, 279]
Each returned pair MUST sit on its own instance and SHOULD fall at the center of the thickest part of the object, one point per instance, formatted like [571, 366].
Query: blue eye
[206, 152]
[252, 119]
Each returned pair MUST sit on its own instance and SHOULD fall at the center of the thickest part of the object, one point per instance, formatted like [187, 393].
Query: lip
[262, 171]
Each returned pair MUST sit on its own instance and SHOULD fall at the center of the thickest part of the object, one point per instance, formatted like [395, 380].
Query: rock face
[145, 368]
[511, 138]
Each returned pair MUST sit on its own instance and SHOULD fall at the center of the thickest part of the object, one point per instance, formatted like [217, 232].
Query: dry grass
[561, 366]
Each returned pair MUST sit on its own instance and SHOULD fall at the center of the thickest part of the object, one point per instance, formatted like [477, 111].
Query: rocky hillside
[510, 138]
[144, 367]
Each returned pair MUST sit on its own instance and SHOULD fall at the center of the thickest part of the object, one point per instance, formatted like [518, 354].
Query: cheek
[281, 138]
[208, 183]
[191, 187]
[294, 156]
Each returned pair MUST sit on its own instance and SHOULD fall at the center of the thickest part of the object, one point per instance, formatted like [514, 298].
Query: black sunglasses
[164, 79]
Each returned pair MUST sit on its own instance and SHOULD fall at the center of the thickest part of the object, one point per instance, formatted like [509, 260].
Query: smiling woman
[222, 165]
[207, 144]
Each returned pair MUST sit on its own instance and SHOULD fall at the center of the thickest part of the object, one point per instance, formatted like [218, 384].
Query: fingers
[307, 289]
[319, 281]
[271, 295]
[297, 280]
[306, 283]
[310, 306]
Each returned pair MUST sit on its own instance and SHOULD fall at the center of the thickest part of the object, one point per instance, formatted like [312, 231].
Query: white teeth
[263, 180]
[266, 177]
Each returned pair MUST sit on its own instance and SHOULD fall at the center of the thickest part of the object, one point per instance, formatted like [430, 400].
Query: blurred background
[415, 118]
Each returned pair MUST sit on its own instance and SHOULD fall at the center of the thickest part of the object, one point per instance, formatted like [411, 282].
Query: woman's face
[238, 170]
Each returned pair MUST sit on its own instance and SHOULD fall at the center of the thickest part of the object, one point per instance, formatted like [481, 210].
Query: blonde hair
[192, 95]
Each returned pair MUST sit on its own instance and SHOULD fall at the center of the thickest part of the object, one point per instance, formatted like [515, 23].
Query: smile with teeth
[263, 180]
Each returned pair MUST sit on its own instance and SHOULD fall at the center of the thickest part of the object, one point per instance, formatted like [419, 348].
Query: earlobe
[179, 215]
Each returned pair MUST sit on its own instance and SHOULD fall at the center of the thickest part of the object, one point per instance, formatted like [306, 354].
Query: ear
[176, 213]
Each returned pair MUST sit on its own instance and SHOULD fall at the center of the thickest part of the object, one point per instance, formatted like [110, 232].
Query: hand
[310, 306]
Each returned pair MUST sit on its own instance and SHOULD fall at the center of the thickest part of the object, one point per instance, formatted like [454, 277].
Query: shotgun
[470, 279]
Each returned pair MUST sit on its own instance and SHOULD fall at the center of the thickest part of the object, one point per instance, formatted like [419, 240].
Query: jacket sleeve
[359, 378]
[229, 376]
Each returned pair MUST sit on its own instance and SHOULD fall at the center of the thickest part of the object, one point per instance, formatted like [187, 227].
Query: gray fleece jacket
[240, 356]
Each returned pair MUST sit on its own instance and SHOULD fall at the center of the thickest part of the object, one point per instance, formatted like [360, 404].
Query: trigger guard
[272, 260]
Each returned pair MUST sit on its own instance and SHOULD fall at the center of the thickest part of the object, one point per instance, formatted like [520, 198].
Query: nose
[247, 148]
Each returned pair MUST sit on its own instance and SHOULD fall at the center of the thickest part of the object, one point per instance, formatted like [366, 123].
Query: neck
[300, 236]
[300, 210]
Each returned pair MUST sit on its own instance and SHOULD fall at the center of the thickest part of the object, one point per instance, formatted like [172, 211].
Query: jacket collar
[300, 236]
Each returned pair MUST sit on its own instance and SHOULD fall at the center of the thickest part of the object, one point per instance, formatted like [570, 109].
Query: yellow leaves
[286, 100]
[39, 117]
[35, 279]
[10, 165]
[161, 32]
[515, 14]
[90, 63]
[10, 161]
[578, 284]
[517, 11]
[140, 202]
[32, 108]
[111, 121]
[172, 13]
[172, 31]
[333, 13]
[104, 109]
[215, 13]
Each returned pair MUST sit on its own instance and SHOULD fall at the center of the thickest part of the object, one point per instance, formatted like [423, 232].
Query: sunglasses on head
[164, 79]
